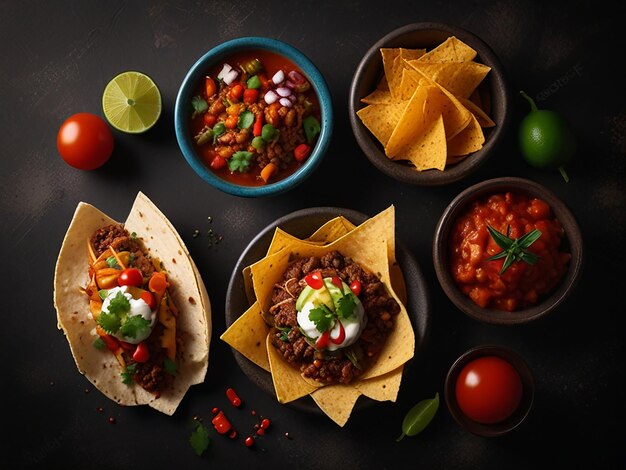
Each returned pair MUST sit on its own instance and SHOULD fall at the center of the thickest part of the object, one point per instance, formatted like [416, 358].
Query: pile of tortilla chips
[427, 109]
[372, 245]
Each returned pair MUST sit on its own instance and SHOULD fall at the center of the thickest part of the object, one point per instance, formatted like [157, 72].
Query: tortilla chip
[408, 84]
[469, 140]
[337, 402]
[288, 383]
[187, 290]
[378, 97]
[381, 119]
[451, 50]
[483, 119]
[247, 335]
[429, 149]
[411, 54]
[460, 79]
[411, 124]
[331, 231]
[382, 388]
[389, 64]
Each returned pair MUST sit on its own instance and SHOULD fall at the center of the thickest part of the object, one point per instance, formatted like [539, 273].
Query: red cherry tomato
[130, 277]
[148, 298]
[85, 141]
[488, 389]
[141, 354]
[355, 287]
[314, 280]
[209, 119]
[217, 163]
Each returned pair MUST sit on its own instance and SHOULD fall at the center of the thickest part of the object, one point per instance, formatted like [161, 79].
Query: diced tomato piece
[250, 95]
[236, 91]
[209, 119]
[141, 354]
[209, 86]
[218, 163]
[148, 298]
[301, 152]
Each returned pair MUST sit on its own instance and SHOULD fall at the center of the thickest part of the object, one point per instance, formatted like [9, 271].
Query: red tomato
[488, 390]
[355, 287]
[141, 354]
[314, 280]
[218, 162]
[130, 277]
[149, 299]
[85, 141]
[209, 119]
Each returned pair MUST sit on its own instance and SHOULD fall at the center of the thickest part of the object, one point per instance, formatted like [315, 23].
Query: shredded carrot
[117, 258]
[92, 255]
[268, 170]
[157, 285]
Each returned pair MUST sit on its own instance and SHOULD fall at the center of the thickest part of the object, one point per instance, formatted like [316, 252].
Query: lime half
[131, 102]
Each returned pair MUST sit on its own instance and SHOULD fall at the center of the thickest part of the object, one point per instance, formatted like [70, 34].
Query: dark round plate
[302, 224]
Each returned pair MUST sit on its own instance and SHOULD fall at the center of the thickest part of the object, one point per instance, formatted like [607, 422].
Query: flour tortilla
[186, 288]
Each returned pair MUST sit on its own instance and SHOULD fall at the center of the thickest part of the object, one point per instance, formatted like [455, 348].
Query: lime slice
[131, 102]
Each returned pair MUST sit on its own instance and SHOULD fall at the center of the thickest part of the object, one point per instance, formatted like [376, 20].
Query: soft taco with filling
[133, 306]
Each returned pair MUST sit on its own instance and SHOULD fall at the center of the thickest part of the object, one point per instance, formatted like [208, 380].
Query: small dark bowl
[528, 392]
[572, 242]
[302, 224]
[370, 71]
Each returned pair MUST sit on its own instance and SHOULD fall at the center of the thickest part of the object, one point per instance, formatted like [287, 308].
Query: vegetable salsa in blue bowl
[253, 117]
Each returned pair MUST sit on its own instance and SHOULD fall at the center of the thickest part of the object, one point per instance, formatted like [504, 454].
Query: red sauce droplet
[220, 423]
[111, 420]
[215, 410]
[265, 423]
[253, 412]
[249, 441]
[233, 398]
[99, 409]
[233, 434]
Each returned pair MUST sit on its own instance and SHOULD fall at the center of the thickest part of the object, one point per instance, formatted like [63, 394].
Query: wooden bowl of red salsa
[507, 251]
[253, 117]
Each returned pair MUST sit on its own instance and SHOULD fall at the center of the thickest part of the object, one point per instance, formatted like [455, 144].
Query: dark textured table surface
[56, 59]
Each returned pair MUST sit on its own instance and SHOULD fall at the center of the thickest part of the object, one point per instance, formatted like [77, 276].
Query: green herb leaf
[199, 439]
[269, 132]
[246, 119]
[419, 417]
[205, 135]
[311, 128]
[133, 236]
[354, 357]
[258, 142]
[199, 105]
[112, 262]
[119, 305]
[102, 293]
[99, 343]
[284, 332]
[135, 326]
[346, 306]
[170, 366]
[218, 129]
[240, 161]
[254, 82]
[127, 375]
[514, 250]
[109, 322]
[322, 316]
[131, 259]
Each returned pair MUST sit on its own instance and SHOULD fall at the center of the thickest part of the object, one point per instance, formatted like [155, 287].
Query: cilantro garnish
[346, 306]
[134, 326]
[199, 105]
[119, 304]
[199, 439]
[112, 262]
[127, 375]
[245, 120]
[322, 316]
[170, 366]
[109, 322]
[284, 332]
[240, 161]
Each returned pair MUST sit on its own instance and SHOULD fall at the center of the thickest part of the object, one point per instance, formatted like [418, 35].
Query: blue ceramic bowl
[197, 73]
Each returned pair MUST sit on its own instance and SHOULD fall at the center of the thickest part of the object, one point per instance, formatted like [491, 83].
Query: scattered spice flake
[288, 436]
[196, 233]
[100, 409]
[86, 391]
[111, 420]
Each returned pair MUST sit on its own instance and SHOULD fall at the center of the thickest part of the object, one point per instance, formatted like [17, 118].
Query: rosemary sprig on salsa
[514, 250]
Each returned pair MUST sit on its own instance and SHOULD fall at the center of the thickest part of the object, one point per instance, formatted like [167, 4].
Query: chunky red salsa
[255, 118]
[522, 284]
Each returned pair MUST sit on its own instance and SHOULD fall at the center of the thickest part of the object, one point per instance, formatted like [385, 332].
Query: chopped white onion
[283, 91]
[270, 97]
[278, 77]
[227, 68]
[290, 84]
[292, 98]
[286, 102]
[230, 76]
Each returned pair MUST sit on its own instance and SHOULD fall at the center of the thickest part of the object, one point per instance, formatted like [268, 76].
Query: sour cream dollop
[353, 325]
[138, 307]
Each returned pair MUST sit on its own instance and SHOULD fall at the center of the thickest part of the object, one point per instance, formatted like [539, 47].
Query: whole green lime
[545, 139]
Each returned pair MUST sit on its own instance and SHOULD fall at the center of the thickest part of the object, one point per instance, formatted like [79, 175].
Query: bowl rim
[528, 393]
[573, 237]
[222, 51]
[421, 319]
[498, 83]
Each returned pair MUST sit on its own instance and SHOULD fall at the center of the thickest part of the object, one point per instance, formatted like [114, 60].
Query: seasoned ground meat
[117, 237]
[343, 365]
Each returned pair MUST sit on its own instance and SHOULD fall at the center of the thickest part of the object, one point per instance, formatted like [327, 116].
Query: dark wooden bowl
[572, 242]
[370, 71]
